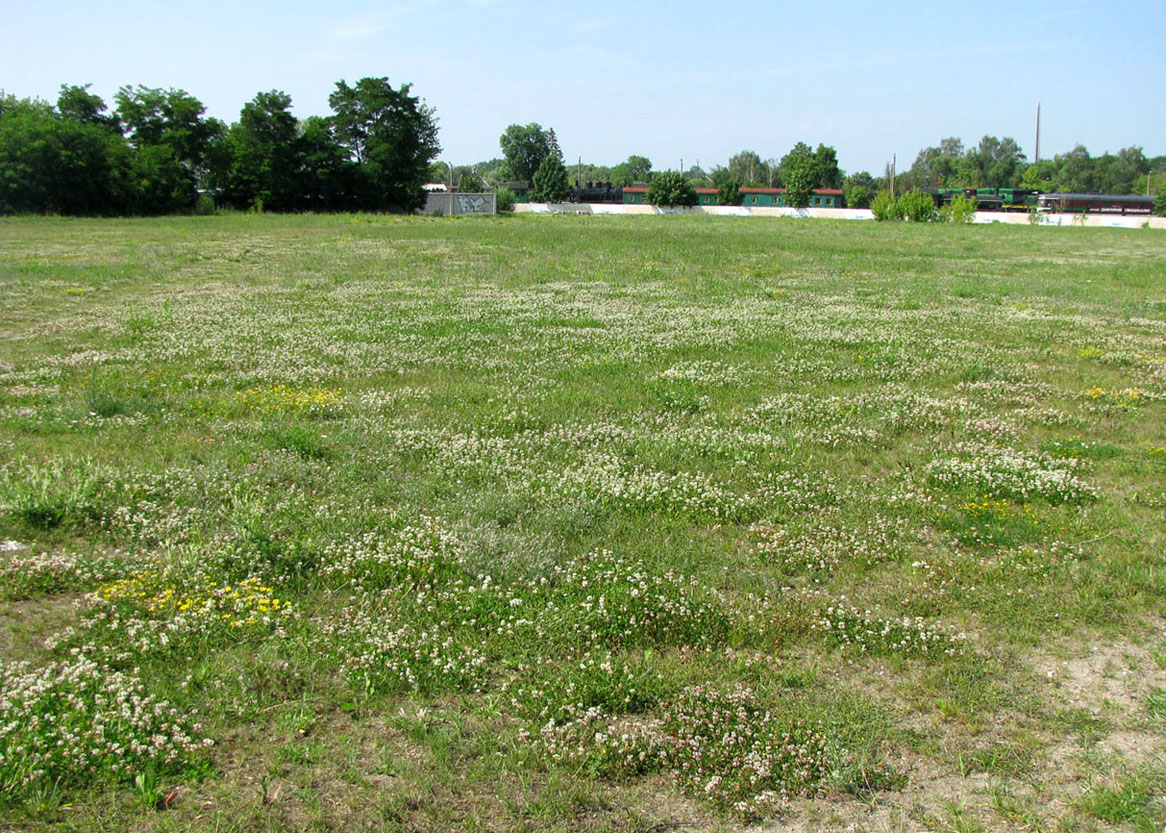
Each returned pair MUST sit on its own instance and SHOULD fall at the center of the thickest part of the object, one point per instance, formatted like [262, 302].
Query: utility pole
[894, 159]
[1036, 153]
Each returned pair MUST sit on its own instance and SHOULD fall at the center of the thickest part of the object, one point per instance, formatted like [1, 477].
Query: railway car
[1096, 203]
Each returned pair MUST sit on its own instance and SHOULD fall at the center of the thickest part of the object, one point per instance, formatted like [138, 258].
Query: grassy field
[581, 523]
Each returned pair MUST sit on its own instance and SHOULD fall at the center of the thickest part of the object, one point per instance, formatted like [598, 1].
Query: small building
[635, 194]
[706, 196]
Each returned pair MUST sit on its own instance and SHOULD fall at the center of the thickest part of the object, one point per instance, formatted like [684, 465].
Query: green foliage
[918, 207]
[798, 175]
[266, 156]
[635, 169]
[525, 148]
[1160, 204]
[961, 209]
[78, 104]
[671, 188]
[392, 135]
[859, 188]
[748, 168]
[50, 495]
[885, 207]
[471, 182]
[730, 750]
[550, 180]
[59, 165]
[729, 193]
[857, 196]
[1129, 801]
[329, 177]
[993, 163]
[505, 199]
[74, 722]
[173, 145]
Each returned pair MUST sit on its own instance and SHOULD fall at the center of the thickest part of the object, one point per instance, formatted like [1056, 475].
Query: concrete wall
[445, 204]
[1088, 221]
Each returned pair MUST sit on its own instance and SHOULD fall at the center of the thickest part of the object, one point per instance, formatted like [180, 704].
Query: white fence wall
[1088, 221]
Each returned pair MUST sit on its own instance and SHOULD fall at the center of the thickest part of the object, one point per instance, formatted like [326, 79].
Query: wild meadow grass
[605, 523]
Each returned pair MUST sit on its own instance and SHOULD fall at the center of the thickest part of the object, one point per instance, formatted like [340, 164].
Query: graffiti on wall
[445, 204]
[472, 204]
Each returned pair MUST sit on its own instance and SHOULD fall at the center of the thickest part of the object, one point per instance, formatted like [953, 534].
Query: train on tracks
[1025, 199]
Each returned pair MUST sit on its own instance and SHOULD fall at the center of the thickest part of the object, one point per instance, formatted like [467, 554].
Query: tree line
[157, 152]
[1000, 163]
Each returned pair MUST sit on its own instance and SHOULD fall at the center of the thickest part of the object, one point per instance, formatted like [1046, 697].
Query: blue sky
[667, 80]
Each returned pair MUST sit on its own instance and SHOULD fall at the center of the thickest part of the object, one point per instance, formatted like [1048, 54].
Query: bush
[960, 210]
[671, 188]
[886, 207]
[918, 207]
[857, 196]
[1160, 204]
[506, 199]
[729, 193]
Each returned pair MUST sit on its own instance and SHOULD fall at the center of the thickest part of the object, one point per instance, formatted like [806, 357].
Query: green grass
[373, 500]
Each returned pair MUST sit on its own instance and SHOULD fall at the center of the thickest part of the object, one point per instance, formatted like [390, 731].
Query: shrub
[885, 207]
[671, 188]
[506, 200]
[729, 193]
[857, 196]
[961, 209]
[918, 207]
[1160, 204]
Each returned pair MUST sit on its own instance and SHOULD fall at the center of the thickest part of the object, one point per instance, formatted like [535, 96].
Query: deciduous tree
[525, 148]
[671, 188]
[550, 180]
[392, 135]
[729, 193]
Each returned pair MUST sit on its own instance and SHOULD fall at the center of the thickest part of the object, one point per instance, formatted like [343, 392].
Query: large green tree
[63, 165]
[329, 178]
[172, 142]
[635, 169]
[550, 180]
[798, 176]
[392, 135]
[826, 172]
[266, 155]
[747, 167]
[998, 163]
[525, 148]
